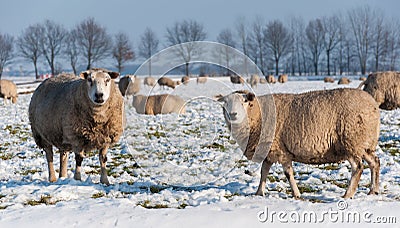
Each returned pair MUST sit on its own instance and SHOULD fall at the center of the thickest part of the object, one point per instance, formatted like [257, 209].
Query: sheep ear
[84, 75]
[113, 75]
[251, 96]
[219, 97]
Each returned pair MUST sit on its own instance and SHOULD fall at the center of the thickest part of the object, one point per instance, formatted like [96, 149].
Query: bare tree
[277, 38]
[52, 43]
[122, 50]
[315, 41]
[392, 44]
[297, 27]
[242, 33]
[331, 26]
[148, 46]
[361, 21]
[6, 50]
[377, 38]
[93, 41]
[29, 45]
[258, 41]
[71, 50]
[184, 32]
[226, 37]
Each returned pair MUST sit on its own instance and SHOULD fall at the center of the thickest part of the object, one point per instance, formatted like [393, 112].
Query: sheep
[158, 104]
[343, 81]
[202, 79]
[384, 87]
[149, 81]
[185, 80]
[271, 79]
[329, 80]
[164, 81]
[79, 115]
[283, 78]
[313, 128]
[254, 79]
[129, 85]
[236, 79]
[263, 81]
[8, 90]
[362, 78]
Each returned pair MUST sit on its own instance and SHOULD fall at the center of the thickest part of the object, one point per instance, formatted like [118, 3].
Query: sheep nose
[233, 114]
[98, 95]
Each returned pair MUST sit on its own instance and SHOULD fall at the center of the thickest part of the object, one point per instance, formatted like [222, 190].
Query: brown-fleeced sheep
[202, 79]
[329, 80]
[263, 81]
[164, 81]
[343, 81]
[129, 85]
[8, 90]
[384, 87]
[185, 80]
[236, 79]
[317, 127]
[254, 80]
[149, 81]
[158, 104]
[283, 78]
[271, 79]
[79, 115]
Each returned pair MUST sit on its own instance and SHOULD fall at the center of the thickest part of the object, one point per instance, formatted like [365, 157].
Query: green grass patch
[306, 189]
[156, 134]
[147, 204]
[182, 206]
[45, 199]
[230, 196]
[215, 146]
[98, 195]
[6, 156]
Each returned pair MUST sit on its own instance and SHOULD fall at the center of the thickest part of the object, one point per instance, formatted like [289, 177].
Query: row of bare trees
[359, 40]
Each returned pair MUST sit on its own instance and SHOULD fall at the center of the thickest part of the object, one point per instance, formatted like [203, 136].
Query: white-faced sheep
[202, 79]
[329, 80]
[185, 80]
[149, 81]
[164, 81]
[384, 87]
[236, 79]
[313, 128]
[129, 85]
[343, 81]
[254, 80]
[8, 90]
[79, 115]
[283, 78]
[271, 79]
[158, 104]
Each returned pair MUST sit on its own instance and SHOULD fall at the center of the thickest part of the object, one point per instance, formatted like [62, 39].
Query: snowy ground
[176, 170]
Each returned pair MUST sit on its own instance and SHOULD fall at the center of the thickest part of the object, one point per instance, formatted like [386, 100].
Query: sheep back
[8, 89]
[158, 104]
[283, 78]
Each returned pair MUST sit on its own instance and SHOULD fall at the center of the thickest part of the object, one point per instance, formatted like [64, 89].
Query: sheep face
[99, 85]
[235, 106]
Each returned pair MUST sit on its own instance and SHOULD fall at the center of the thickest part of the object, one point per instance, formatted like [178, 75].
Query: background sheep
[271, 79]
[384, 87]
[283, 78]
[362, 78]
[8, 90]
[236, 79]
[329, 79]
[79, 115]
[149, 81]
[263, 81]
[164, 81]
[202, 79]
[254, 79]
[314, 128]
[185, 80]
[344, 81]
[158, 104]
[129, 85]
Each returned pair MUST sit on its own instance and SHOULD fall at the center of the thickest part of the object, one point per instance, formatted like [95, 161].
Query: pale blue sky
[133, 17]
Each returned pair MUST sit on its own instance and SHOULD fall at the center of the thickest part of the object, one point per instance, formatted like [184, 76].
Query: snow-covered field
[185, 170]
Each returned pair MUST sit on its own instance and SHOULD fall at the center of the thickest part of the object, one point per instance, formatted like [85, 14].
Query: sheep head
[99, 84]
[235, 106]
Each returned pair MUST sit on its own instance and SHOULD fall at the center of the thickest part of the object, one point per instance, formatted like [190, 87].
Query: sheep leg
[356, 171]
[264, 173]
[288, 170]
[49, 157]
[374, 165]
[78, 160]
[103, 160]
[63, 163]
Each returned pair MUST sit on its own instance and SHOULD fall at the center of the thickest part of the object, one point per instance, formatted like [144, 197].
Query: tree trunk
[328, 61]
[277, 66]
[187, 68]
[36, 70]
[150, 66]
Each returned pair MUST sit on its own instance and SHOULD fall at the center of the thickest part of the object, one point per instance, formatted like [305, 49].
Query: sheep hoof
[104, 180]
[52, 179]
[372, 192]
[260, 193]
[77, 176]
